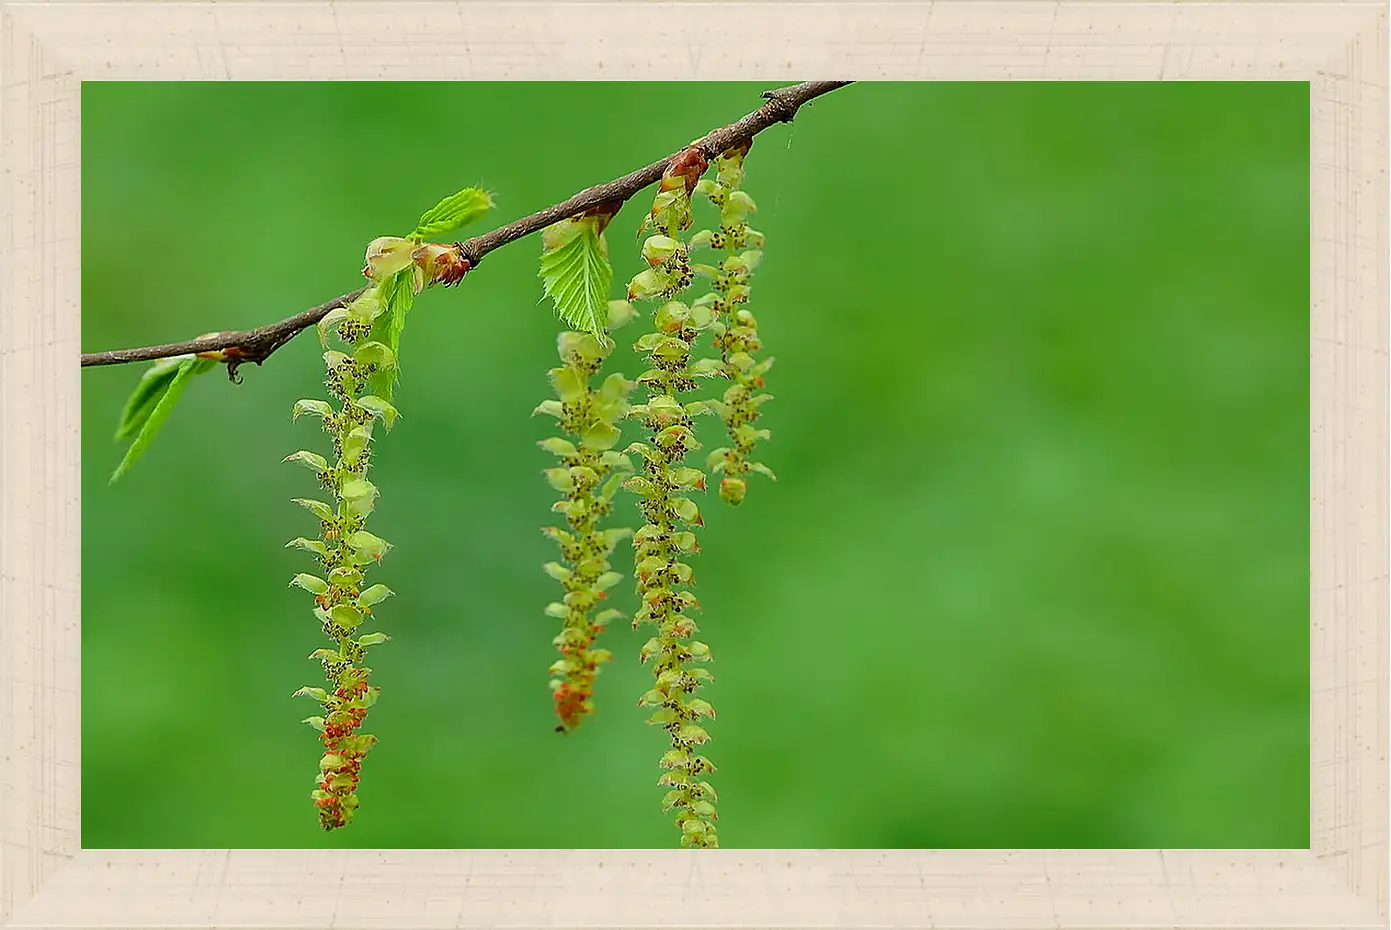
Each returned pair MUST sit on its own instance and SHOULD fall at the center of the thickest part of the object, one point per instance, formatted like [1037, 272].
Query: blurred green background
[1035, 573]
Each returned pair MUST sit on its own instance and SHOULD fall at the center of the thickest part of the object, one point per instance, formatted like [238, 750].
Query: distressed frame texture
[47, 49]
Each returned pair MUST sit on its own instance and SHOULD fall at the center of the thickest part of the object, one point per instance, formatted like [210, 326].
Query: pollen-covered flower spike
[345, 551]
[735, 328]
[587, 477]
[667, 538]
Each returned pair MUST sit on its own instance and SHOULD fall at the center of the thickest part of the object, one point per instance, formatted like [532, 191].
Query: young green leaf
[378, 408]
[398, 293]
[188, 369]
[452, 212]
[576, 273]
[146, 396]
[374, 595]
[311, 583]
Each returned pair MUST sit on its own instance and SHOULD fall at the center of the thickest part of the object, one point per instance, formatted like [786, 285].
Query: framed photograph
[1042, 582]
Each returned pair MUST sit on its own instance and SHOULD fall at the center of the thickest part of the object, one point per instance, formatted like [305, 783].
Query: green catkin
[588, 475]
[346, 550]
[667, 537]
[735, 328]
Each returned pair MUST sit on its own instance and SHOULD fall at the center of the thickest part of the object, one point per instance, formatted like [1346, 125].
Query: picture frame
[48, 48]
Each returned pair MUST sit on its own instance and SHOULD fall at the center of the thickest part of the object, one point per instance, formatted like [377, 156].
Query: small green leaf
[453, 212]
[315, 722]
[309, 545]
[686, 510]
[675, 758]
[692, 734]
[309, 460]
[374, 595]
[398, 294]
[345, 615]
[311, 583]
[686, 477]
[318, 694]
[375, 353]
[558, 446]
[151, 421]
[359, 496]
[373, 547]
[355, 443]
[147, 394]
[344, 577]
[331, 319]
[700, 708]
[601, 436]
[358, 488]
[318, 508]
[569, 384]
[378, 408]
[576, 274]
[318, 408]
[366, 308]
[763, 470]
[703, 809]
[621, 313]
[560, 479]
[372, 639]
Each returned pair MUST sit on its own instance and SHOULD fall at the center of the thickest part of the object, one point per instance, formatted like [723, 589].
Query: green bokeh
[1035, 573]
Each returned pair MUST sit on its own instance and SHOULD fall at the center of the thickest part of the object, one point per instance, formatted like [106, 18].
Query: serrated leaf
[452, 212]
[151, 422]
[576, 274]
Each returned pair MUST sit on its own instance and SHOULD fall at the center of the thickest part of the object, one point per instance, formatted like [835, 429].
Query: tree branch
[256, 345]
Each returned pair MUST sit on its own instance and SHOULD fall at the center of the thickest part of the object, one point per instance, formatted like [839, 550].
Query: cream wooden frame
[47, 49]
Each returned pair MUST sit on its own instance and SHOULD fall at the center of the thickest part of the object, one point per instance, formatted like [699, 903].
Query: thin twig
[256, 345]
